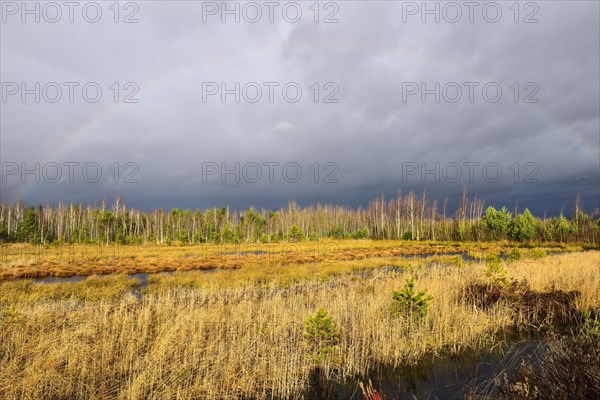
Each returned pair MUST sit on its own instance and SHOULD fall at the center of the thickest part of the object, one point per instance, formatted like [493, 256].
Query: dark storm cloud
[370, 137]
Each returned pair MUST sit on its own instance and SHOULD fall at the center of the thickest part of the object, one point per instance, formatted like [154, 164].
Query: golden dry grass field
[241, 333]
[30, 261]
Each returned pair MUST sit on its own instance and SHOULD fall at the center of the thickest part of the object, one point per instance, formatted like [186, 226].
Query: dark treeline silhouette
[408, 217]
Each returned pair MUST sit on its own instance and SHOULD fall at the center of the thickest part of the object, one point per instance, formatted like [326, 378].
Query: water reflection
[465, 376]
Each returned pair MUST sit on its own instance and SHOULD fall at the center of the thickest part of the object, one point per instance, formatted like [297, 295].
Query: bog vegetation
[275, 331]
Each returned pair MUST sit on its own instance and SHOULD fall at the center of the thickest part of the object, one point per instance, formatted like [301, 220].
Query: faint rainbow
[96, 121]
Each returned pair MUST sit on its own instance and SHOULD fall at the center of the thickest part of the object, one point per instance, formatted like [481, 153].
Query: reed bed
[240, 334]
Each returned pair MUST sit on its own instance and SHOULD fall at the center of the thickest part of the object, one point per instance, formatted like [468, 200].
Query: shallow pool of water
[436, 378]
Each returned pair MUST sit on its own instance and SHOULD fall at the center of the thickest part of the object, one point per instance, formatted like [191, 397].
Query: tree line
[407, 217]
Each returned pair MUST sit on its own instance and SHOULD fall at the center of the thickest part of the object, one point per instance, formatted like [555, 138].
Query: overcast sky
[367, 121]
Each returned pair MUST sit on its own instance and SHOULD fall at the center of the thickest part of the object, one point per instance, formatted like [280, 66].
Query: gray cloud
[369, 134]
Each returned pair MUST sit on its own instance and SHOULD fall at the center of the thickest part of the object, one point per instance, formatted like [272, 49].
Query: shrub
[495, 271]
[339, 233]
[322, 333]
[537, 254]
[295, 234]
[590, 326]
[514, 255]
[410, 302]
[361, 234]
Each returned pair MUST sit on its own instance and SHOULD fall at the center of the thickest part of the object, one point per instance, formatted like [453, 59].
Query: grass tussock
[91, 288]
[243, 334]
[533, 310]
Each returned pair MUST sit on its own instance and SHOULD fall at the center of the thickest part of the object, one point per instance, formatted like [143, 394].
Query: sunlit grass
[28, 261]
[240, 333]
[91, 288]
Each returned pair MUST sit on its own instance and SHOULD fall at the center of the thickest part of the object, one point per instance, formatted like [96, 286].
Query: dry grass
[239, 334]
[92, 288]
[565, 273]
[29, 261]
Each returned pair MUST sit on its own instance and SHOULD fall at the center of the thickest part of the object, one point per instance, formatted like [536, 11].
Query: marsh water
[143, 277]
[440, 377]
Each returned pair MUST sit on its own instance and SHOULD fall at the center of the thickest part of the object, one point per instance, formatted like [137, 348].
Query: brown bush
[532, 309]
